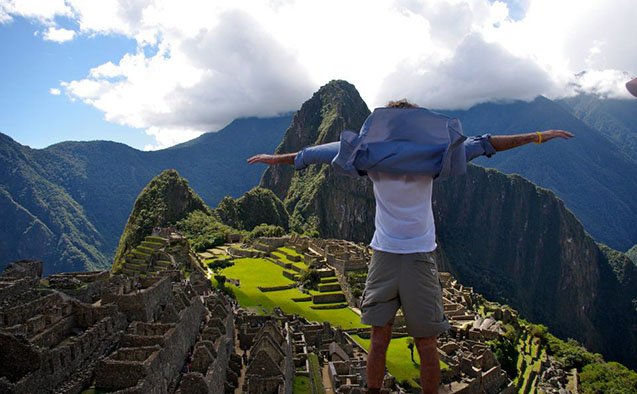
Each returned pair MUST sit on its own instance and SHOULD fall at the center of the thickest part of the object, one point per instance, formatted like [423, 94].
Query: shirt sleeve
[318, 154]
[478, 146]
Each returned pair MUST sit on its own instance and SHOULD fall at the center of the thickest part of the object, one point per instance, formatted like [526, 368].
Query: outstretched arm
[488, 145]
[319, 154]
[285, 158]
[504, 142]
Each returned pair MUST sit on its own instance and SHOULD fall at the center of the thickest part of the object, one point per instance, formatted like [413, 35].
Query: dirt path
[238, 350]
[327, 383]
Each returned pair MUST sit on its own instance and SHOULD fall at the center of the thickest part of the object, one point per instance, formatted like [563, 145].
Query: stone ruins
[155, 325]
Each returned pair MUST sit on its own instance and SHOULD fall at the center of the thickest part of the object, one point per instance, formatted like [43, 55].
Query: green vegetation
[269, 274]
[217, 264]
[507, 354]
[398, 361]
[302, 385]
[311, 194]
[571, 353]
[315, 374]
[356, 281]
[257, 206]
[289, 251]
[204, 231]
[608, 378]
[596, 375]
[265, 230]
[619, 262]
[310, 279]
[164, 201]
[68, 203]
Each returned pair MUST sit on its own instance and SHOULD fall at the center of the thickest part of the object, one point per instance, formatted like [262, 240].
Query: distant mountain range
[616, 119]
[67, 204]
[595, 177]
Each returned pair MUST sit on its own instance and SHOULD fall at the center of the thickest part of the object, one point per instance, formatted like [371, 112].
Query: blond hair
[402, 103]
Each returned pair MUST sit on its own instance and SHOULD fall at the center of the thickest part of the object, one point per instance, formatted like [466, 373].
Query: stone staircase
[147, 258]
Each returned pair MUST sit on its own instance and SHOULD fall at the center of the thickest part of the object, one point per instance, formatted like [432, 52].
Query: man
[403, 148]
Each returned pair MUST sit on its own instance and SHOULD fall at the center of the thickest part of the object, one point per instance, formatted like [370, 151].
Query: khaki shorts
[410, 281]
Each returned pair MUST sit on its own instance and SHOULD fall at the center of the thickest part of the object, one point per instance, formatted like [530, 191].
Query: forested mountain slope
[67, 204]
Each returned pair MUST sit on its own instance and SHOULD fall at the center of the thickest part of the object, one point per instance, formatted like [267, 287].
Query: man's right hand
[286, 158]
[550, 134]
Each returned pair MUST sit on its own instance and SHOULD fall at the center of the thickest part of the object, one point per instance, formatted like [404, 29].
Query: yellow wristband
[539, 137]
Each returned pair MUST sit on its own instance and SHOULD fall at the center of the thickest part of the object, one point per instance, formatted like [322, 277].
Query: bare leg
[376, 358]
[429, 364]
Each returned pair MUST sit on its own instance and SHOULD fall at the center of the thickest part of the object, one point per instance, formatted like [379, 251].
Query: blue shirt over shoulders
[401, 141]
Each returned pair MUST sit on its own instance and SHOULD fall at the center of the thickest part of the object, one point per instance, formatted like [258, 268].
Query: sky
[154, 73]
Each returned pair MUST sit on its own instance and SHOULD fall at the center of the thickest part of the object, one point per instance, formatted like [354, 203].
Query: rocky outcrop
[310, 195]
[519, 244]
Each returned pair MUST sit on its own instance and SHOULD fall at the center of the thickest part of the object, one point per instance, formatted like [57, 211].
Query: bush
[356, 292]
[265, 230]
[310, 279]
[221, 281]
[507, 354]
[538, 330]
[204, 231]
[571, 353]
[219, 264]
[608, 378]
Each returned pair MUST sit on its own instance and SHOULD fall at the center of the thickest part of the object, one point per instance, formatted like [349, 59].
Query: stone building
[48, 339]
[73, 331]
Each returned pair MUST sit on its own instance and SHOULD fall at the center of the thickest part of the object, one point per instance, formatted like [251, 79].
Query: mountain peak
[335, 107]
[165, 200]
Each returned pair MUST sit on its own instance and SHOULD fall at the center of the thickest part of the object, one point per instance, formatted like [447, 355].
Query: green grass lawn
[399, 359]
[302, 385]
[260, 272]
[284, 259]
[289, 251]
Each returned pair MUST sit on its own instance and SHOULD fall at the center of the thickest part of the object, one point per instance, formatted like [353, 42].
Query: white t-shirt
[404, 217]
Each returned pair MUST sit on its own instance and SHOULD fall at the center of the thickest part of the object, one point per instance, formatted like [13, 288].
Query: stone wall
[328, 298]
[158, 351]
[213, 352]
[145, 304]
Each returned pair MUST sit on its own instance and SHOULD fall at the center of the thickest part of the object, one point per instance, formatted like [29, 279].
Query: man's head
[402, 103]
[632, 86]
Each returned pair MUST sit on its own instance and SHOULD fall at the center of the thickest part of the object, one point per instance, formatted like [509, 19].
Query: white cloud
[214, 61]
[4, 15]
[203, 82]
[43, 10]
[55, 91]
[169, 136]
[478, 72]
[58, 35]
[605, 83]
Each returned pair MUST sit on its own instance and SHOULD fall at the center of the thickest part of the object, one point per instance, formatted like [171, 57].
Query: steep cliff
[511, 240]
[164, 201]
[517, 243]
